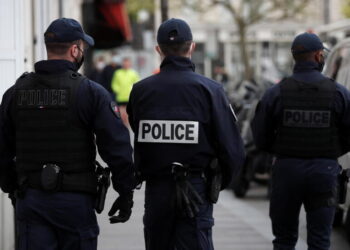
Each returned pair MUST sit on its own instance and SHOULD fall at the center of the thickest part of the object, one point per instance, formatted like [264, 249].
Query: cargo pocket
[204, 233]
[88, 238]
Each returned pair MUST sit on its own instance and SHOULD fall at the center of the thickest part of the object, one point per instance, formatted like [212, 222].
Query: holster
[51, 177]
[103, 183]
[187, 198]
[214, 177]
[343, 180]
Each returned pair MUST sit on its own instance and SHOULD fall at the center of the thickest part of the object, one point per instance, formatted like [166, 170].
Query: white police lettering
[307, 118]
[158, 131]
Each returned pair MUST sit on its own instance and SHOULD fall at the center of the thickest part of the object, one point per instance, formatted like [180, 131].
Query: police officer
[180, 116]
[304, 120]
[49, 122]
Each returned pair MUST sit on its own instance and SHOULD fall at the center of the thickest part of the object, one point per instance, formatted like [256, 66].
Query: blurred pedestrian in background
[122, 82]
[221, 75]
[96, 74]
[108, 72]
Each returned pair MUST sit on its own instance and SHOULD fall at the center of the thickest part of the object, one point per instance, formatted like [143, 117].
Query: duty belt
[73, 182]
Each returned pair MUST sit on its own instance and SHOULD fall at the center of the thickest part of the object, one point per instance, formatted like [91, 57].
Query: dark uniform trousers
[165, 228]
[297, 182]
[56, 221]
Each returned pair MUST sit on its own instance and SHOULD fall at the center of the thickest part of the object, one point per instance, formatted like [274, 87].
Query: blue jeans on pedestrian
[297, 182]
[165, 228]
[56, 221]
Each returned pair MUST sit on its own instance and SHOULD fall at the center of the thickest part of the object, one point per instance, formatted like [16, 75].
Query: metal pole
[164, 6]
[326, 12]
[60, 8]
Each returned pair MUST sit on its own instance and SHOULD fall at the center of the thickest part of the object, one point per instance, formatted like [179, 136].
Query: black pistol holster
[51, 177]
[343, 180]
[187, 198]
[103, 183]
[214, 178]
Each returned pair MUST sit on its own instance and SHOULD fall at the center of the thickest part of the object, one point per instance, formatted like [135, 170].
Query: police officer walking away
[49, 121]
[304, 120]
[182, 122]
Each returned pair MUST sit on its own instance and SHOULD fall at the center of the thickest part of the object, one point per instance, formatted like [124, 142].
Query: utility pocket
[88, 238]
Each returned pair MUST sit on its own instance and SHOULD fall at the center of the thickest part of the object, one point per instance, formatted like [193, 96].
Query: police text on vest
[159, 131]
[307, 118]
[42, 97]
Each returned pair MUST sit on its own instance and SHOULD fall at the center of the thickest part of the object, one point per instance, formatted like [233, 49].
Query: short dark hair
[302, 57]
[176, 49]
[60, 48]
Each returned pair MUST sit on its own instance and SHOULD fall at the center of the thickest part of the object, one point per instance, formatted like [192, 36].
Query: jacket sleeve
[8, 176]
[112, 137]
[264, 122]
[229, 145]
[129, 109]
[342, 107]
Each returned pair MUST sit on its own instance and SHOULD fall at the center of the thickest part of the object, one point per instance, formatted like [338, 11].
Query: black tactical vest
[308, 126]
[48, 129]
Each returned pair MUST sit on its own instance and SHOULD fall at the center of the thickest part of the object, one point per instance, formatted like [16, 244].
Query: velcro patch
[159, 131]
[115, 109]
[307, 118]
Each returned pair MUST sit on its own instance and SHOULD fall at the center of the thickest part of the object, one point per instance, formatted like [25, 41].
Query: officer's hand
[13, 199]
[123, 204]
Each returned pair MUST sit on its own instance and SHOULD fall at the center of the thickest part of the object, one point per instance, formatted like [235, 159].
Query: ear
[74, 51]
[191, 50]
[157, 48]
[193, 47]
[319, 56]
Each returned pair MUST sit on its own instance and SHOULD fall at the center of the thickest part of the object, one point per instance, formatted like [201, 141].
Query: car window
[338, 67]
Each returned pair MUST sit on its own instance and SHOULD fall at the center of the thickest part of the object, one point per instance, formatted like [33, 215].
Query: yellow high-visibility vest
[122, 82]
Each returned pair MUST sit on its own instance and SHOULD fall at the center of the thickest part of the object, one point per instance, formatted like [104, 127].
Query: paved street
[239, 225]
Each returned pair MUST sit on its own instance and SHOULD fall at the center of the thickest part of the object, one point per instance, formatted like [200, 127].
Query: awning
[116, 16]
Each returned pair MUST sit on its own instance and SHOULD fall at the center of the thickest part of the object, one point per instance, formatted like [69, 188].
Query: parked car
[338, 67]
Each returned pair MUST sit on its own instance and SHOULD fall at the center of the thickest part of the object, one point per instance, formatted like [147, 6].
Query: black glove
[13, 199]
[123, 204]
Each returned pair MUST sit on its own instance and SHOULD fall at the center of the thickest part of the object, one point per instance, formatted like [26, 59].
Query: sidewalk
[237, 226]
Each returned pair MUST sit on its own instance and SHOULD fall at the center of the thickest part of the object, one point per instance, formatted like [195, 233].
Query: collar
[48, 67]
[177, 63]
[307, 66]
